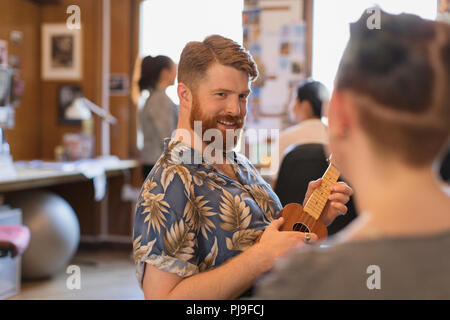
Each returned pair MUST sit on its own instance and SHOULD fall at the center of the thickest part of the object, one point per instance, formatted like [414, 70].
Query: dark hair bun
[151, 68]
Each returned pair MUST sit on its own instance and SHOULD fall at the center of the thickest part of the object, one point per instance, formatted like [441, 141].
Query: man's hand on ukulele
[340, 195]
[277, 243]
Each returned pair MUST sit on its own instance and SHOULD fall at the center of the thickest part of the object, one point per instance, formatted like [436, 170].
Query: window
[331, 20]
[166, 26]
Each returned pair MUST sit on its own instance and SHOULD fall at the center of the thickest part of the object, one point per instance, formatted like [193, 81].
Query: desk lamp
[80, 146]
[81, 109]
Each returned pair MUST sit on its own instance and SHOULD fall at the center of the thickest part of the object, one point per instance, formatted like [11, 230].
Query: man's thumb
[315, 184]
[277, 223]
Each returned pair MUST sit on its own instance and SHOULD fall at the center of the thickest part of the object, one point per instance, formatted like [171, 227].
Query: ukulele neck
[319, 198]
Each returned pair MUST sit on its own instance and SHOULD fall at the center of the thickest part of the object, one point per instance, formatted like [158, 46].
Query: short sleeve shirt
[192, 218]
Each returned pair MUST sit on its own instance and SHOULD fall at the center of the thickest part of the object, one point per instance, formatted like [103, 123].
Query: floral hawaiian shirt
[192, 218]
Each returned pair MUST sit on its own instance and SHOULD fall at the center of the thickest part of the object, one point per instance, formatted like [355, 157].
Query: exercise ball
[54, 229]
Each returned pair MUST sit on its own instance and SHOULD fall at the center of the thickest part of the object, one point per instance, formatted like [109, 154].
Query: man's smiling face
[220, 101]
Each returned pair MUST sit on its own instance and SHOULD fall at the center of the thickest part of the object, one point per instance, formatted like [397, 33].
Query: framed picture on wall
[66, 96]
[119, 85]
[61, 52]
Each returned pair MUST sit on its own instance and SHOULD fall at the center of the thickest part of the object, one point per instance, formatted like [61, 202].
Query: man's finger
[342, 187]
[277, 223]
[305, 238]
[315, 183]
[312, 185]
[310, 237]
[342, 209]
[339, 197]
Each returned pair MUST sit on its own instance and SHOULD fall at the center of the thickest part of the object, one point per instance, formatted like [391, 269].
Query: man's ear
[185, 96]
[340, 115]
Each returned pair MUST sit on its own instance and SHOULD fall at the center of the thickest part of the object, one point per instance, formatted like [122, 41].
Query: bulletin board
[275, 33]
[278, 35]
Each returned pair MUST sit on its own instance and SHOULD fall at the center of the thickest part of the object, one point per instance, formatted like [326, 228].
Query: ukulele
[306, 219]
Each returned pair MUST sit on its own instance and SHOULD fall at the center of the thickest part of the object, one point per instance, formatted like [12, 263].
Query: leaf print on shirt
[262, 200]
[212, 180]
[169, 173]
[235, 214]
[196, 213]
[155, 206]
[179, 241]
[141, 251]
[239, 186]
[179, 152]
[149, 185]
[210, 259]
[243, 239]
[173, 156]
[163, 162]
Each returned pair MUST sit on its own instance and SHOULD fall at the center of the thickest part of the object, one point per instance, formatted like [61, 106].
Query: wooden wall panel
[52, 132]
[80, 195]
[37, 131]
[120, 214]
[134, 152]
[23, 15]
[120, 64]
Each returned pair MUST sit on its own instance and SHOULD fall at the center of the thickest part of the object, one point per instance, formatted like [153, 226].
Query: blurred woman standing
[159, 116]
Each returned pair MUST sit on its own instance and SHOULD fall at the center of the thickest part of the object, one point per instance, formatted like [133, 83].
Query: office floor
[104, 275]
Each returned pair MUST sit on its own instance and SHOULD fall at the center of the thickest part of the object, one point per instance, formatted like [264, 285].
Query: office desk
[29, 178]
[107, 220]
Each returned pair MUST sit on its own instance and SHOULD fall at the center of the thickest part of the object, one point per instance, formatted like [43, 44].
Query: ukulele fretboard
[319, 198]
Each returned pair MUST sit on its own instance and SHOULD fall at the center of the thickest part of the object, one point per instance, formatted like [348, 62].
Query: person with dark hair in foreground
[389, 122]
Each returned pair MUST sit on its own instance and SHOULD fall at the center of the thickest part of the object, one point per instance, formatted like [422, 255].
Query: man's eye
[242, 96]
[222, 94]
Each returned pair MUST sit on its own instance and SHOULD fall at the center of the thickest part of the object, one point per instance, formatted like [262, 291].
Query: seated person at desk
[310, 98]
[389, 121]
[198, 216]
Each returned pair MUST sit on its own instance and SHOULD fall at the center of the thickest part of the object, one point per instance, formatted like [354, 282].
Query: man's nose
[234, 107]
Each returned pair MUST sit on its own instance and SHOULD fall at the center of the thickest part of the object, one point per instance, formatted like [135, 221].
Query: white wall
[167, 25]
[331, 20]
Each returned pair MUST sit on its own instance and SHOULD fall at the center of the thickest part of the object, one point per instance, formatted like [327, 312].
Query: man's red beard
[207, 122]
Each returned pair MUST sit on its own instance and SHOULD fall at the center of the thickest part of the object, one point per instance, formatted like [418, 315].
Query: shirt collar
[187, 155]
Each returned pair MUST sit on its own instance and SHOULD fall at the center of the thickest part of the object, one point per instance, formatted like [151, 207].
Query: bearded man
[203, 205]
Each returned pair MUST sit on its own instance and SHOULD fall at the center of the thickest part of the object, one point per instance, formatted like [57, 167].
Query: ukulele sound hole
[300, 227]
